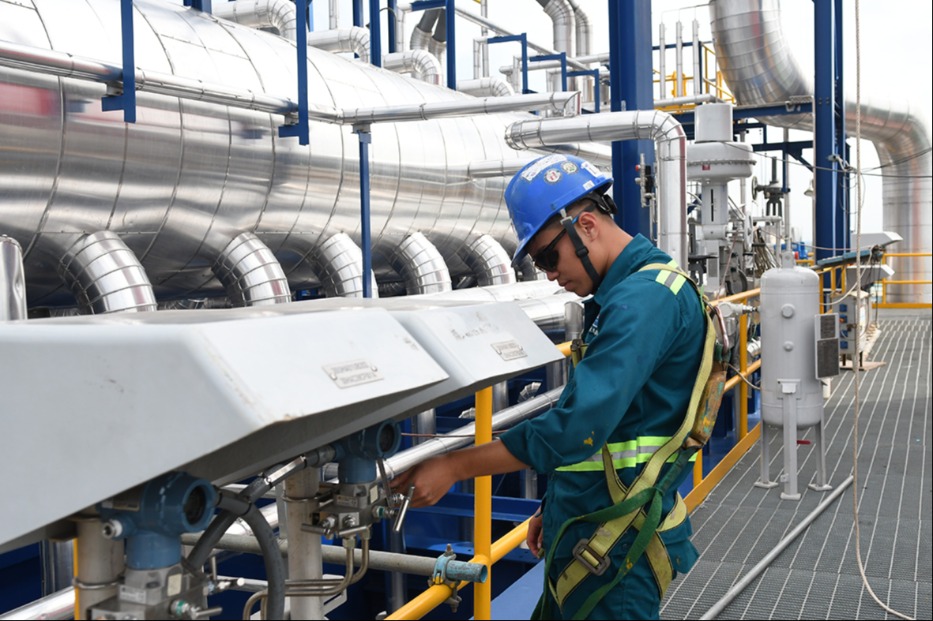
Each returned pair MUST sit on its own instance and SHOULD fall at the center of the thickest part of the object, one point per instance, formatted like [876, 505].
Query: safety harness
[639, 505]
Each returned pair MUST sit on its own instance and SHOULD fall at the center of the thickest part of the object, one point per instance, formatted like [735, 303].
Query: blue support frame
[562, 57]
[393, 10]
[523, 39]
[451, 33]
[199, 5]
[126, 100]
[829, 219]
[843, 234]
[365, 137]
[301, 129]
[630, 88]
[594, 73]
[358, 12]
[375, 34]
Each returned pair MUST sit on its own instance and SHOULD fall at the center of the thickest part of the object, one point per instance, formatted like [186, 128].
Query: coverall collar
[636, 254]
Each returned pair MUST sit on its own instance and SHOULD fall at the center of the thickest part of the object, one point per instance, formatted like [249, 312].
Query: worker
[627, 397]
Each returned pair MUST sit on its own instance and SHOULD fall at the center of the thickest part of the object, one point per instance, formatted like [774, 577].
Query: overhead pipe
[420, 63]
[489, 261]
[486, 87]
[12, 280]
[562, 24]
[338, 263]
[277, 15]
[760, 68]
[421, 33]
[582, 30]
[420, 265]
[105, 276]
[671, 148]
[250, 273]
[437, 44]
[354, 39]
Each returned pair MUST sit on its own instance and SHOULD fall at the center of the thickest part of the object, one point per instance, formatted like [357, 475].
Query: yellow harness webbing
[591, 556]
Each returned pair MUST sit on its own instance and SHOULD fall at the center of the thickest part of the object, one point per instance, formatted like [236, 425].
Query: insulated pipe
[250, 273]
[105, 276]
[420, 265]
[670, 144]
[759, 66]
[306, 561]
[338, 262]
[354, 39]
[420, 63]
[421, 33]
[561, 14]
[279, 15]
[486, 87]
[489, 261]
[12, 281]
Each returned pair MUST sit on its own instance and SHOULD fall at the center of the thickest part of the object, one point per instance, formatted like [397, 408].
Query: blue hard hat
[545, 186]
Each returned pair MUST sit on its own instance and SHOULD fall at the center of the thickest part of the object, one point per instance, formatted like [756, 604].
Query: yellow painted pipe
[482, 499]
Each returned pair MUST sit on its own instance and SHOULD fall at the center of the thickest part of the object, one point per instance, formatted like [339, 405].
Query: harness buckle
[589, 558]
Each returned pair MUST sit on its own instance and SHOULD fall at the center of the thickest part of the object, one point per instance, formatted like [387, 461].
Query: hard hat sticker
[541, 164]
[591, 169]
[569, 167]
[552, 176]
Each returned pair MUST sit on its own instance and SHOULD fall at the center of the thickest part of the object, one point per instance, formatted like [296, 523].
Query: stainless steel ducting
[189, 176]
[486, 87]
[250, 273]
[105, 276]
[420, 265]
[760, 68]
[354, 39]
[670, 151]
[562, 19]
[12, 281]
[338, 262]
[420, 63]
[274, 15]
[489, 261]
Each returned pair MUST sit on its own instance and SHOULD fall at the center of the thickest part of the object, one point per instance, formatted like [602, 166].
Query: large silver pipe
[250, 273]
[354, 39]
[204, 163]
[338, 262]
[105, 276]
[421, 266]
[58, 605]
[420, 63]
[276, 15]
[562, 20]
[760, 68]
[670, 151]
[582, 30]
[486, 87]
[12, 280]
[489, 261]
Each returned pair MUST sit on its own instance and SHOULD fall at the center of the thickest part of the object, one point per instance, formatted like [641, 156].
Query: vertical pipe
[662, 53]
[375, 34]
[305, 554]
[743, 368]
[12, 280]
[98, 565]
[697, 79]
[392, 21]
[451, 46]
[680, 91]
[482, 530]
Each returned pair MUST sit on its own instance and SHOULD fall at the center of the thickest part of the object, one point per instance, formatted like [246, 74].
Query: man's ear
[588, 223]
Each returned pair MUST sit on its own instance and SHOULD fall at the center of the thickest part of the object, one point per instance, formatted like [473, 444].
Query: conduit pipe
[582, 30]
[719, 606]
[105, 276]
[495, 168]
[64, 65]
[420, 265]
[486, 87]
[12, 280]
[759, 66]
[276, 15]
[354, 39]
[338, 262]
[562, 23]
[421, 33]
[670, 151]
[420, 63]
[250, 273]
[489, 261]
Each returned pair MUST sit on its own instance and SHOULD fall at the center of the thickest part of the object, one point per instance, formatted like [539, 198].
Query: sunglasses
[548, 257]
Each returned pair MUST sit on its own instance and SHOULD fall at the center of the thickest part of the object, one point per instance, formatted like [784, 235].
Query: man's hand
[535, 538]
[432, 479]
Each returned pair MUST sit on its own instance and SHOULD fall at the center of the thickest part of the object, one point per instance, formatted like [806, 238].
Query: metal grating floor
[817, 576]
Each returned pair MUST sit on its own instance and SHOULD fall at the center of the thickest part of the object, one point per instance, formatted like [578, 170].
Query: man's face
[553, 253]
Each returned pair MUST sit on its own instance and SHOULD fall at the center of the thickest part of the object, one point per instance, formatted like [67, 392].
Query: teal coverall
[644, 344]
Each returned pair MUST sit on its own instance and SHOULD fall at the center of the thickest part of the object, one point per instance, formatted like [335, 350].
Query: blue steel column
[302, 128]
[126, 100]
[842, 200]
[630, 88]
[824, 237]
[393, 9]
[451, 45]
[375, 34]
[362, 131]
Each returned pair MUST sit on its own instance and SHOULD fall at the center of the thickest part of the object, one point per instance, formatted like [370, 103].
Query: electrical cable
[855, 351]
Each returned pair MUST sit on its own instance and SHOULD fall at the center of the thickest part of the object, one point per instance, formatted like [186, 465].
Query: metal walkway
[817, 575]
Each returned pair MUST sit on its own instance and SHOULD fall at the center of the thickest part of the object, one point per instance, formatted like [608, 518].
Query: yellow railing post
[482, 499]
[743, 365]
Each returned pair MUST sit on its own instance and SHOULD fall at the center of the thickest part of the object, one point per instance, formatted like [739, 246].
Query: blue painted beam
[562, 57]
[301, 129]
[126, 100]
[825, 157]
[523, 39]
[375, 34]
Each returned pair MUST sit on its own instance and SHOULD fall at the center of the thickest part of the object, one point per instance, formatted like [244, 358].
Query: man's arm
[434, 477]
